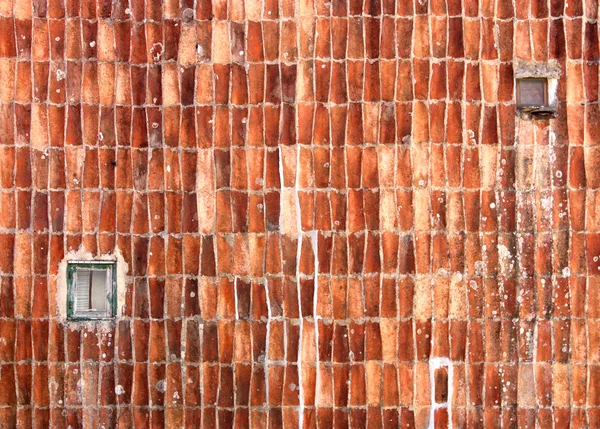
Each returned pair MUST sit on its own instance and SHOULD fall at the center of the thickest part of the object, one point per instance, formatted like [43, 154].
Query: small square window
[532, 93]
[91, 290]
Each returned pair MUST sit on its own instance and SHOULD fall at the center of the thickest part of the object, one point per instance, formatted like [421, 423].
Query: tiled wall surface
[330, 214]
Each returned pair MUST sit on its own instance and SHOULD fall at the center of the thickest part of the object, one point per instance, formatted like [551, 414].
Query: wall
[330, 214]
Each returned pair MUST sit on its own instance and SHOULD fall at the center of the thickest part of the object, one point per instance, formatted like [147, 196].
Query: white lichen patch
[161, 386]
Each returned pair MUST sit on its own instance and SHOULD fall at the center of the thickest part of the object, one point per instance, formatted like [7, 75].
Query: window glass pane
[90, 290]
[532, 92]
[99, 279]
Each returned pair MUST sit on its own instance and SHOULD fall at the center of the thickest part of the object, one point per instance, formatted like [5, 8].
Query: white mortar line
[235, 296]
[314, 236]
[268, 336]
[299, 293]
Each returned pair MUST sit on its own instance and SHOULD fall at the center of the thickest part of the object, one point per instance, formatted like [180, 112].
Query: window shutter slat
[82, 290]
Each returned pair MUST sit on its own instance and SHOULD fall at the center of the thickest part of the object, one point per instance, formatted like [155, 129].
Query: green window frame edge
[72, 267]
